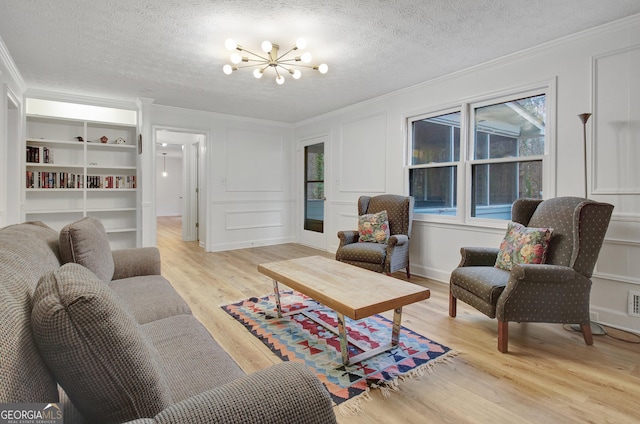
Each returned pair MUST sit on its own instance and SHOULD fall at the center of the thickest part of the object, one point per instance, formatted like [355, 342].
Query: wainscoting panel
[255, 162]
[255, 218]
[363, 154]
[616, 141]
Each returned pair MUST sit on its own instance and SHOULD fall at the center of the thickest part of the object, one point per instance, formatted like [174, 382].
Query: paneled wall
[248, 184]
[595, 71]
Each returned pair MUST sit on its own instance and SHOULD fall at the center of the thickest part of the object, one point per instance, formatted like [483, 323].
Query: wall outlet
[634, 303]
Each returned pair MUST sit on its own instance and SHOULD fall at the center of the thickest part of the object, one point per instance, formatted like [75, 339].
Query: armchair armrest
[348, 237]
[478, 256]
[544, 293]
[397, 240]
[134, 262]
[286, 392]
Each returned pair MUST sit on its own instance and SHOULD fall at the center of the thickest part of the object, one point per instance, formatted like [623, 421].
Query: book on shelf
[46, 179]
[111, 181]
[39, 154]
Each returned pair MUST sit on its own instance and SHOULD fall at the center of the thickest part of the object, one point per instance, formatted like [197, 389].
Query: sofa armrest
[135, 262]
[348, 237]
[284, 393]
[478, 256]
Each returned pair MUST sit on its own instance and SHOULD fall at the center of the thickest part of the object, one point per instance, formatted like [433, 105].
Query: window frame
[459, 164]
[467, 108]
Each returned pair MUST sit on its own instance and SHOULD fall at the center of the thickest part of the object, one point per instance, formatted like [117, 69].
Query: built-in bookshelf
[75, 168]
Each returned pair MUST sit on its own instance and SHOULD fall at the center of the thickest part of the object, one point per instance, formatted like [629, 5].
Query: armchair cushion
[374, 227]
[523, 245]
[95, 349]
[85, 242]
[374, 253]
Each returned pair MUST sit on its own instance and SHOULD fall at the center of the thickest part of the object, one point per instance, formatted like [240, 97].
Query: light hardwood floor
[548, 376]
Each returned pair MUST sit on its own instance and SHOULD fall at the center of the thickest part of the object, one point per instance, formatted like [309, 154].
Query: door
[314, 199]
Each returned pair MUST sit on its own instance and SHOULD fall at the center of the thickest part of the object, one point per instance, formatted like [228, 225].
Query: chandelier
[272, 59]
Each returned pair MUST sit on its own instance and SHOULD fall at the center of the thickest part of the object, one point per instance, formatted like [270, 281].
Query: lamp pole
[584, 117]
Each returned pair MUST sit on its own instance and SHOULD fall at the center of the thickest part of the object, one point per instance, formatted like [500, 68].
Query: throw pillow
[374, 227]
[85, 242]
[523, 245]
[95, 348]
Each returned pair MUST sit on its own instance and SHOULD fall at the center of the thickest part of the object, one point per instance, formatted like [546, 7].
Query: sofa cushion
[149, 297]
[374, 227]
[95, 348]
[192, 361]
[85, 242]
[523, 245]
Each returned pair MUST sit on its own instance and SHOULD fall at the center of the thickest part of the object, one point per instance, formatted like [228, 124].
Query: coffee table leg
[276, 291]
[344, 343]
[395, 332]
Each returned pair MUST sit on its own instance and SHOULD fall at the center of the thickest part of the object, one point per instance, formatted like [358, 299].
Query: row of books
[40, 154]
[45, 179]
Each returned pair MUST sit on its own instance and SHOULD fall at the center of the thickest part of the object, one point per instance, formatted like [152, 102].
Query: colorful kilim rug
[298, 338]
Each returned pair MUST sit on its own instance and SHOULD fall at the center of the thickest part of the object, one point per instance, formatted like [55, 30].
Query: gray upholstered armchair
[381, 257]
[556, 291]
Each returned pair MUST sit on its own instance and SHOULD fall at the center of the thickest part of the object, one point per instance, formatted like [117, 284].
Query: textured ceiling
[173, 50]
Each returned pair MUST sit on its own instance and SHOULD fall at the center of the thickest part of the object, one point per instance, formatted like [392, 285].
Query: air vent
[634, 303]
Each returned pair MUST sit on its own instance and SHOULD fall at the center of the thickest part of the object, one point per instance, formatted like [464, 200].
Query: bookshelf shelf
[65, 179]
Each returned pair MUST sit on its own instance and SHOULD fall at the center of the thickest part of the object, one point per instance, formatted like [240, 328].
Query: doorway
[178, 177]
[313, 192]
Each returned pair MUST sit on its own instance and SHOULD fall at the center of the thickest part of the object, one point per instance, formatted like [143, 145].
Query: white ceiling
[173, 50]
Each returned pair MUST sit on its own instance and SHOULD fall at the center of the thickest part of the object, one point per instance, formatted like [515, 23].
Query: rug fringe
[355, 406]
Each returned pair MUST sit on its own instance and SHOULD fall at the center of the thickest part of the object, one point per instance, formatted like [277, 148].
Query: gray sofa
[105, 335]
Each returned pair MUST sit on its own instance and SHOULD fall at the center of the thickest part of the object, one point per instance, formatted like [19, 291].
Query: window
[502, 158]
[435, 157]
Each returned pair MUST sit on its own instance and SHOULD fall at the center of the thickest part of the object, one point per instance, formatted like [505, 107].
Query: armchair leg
[503, 336]
[453, 305]
[586, 333]
[408, 272]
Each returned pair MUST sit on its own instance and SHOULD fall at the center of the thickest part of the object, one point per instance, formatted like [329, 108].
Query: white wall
[370, 163]
[12, 88]
[248, 171]
[169, 188]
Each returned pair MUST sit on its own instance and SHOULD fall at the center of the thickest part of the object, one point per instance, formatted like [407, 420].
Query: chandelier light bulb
[227, 69]
[257, 73]
[306, 57]
[323, 68]
[236, 58]
[301, 43]
[230, 44]
[296, 74]
[280, 80]
[266, 46]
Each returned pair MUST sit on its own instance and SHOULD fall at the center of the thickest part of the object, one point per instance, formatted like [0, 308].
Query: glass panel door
[314, 188]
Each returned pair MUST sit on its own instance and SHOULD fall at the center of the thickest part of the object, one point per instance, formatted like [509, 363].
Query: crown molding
[85, 100]
[7, 61]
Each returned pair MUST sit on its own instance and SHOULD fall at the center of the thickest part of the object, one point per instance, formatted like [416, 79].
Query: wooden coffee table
[348, 290]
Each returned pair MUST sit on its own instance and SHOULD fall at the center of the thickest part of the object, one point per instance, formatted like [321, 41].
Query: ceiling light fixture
[279, 63]
[164, 172]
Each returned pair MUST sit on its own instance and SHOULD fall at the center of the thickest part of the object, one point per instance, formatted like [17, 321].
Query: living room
[254, 199]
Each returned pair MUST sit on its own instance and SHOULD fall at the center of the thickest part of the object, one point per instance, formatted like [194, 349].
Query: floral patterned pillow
[523, 245]
[374, 227]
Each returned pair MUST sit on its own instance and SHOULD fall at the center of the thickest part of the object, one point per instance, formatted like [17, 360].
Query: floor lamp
[584, 117]
[596, 329]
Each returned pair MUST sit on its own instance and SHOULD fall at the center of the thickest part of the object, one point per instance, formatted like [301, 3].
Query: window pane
[434, 190]
[510, 129]
[496, 186]
[436, 139]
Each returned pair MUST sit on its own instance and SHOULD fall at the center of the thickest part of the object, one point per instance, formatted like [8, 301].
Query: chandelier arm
[255, 54]
[252, 65]
[279, 58]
